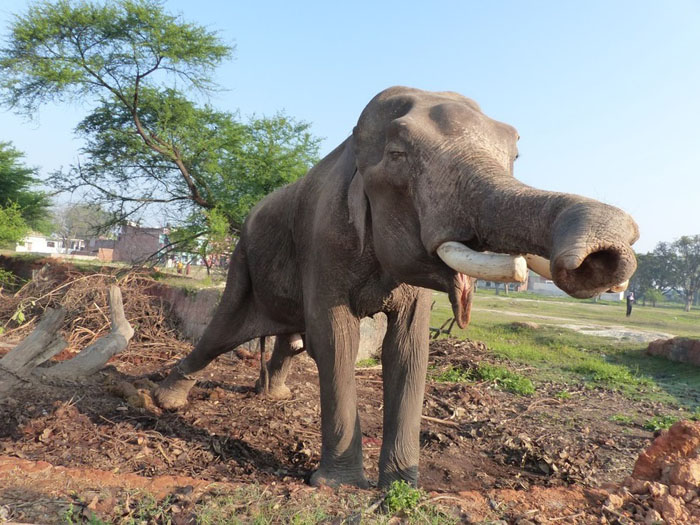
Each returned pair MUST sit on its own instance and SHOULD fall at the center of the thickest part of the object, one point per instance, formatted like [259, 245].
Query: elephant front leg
[333, 340]
[404, 365]
[273, 374]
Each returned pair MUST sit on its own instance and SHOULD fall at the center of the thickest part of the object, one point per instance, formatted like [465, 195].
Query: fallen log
[22, 363]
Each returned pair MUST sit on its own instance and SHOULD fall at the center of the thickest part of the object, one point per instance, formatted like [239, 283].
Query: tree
[79, 221]
[209, 239]
[147, 143]
[12, 225]
[682, 261]
[233, 164]
[651, 278]
[16, 193]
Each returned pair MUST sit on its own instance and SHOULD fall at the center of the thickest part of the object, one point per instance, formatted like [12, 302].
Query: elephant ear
[357, 207]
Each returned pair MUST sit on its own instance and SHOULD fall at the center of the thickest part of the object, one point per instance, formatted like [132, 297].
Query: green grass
[410, 505]
[367, 363]
[505, 379]
[622, 419]
[453, 374]
[401, 497]
[500, 376]
[557, 354]
[660, 423]
[252, 504]
[669, 318]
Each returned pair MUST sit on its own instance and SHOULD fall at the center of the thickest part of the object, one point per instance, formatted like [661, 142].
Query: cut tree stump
[21, 364]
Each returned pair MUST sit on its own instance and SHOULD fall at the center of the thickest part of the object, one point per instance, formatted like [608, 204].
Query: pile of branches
[84, 298]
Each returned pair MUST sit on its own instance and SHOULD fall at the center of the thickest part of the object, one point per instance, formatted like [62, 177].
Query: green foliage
[660, 423]
[608, 374]
[221, 163]
[147, 143]
[206, 233]
[500, 376]
[367, 363]
[409, 503]
[402, 497]
[72, 50]
[143, 507]
[564, 395]
[622, 419]
[12, 225]
[453, 374]
[71, 516]
[81, 221]
[653, 296]
[505, 379]
[16, 182]
[682, 264]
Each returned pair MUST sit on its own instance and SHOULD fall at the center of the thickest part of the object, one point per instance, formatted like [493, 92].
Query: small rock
[614, 501]
[686, 473]
[637, 486]
[677, 491]
[690, 495]
[657, 489]
[671, 508]
[653, 518]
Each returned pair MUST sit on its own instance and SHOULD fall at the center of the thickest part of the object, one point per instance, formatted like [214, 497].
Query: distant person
[630, 302]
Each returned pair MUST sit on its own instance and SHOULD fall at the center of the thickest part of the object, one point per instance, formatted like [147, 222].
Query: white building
[37, 243]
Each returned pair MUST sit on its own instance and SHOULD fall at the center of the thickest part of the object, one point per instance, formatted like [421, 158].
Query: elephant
[421, 196]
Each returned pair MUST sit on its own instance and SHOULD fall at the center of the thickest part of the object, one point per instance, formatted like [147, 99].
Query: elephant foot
[277, 393]
[409, 475]
[327, 478]
[171, 393]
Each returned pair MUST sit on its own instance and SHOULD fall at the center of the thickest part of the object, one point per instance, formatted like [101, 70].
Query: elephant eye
[397, 155]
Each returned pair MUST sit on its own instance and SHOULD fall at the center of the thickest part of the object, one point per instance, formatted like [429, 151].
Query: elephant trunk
[591, 250]
[588, 243]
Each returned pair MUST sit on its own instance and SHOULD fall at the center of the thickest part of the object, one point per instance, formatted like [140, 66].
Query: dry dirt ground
[496, 453]
[486, 455]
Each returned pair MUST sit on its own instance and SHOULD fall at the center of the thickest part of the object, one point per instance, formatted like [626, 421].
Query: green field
[549, 352]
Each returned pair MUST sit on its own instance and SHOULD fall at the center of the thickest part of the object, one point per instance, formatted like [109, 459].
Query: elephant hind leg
[273, 374]
[235, 321]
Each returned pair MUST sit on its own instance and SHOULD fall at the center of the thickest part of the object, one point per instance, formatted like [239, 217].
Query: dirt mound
[681, 349]
[665, 483]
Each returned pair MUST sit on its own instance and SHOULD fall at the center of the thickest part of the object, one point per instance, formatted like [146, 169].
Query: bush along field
[524, 420]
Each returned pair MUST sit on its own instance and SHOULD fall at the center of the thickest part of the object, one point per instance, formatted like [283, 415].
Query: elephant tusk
[487, 266]
[620, 287]
[539, 265]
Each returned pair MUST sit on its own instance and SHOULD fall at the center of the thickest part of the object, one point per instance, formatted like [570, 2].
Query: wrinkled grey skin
[358, 235]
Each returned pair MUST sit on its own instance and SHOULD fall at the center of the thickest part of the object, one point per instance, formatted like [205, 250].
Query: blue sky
[605, 94]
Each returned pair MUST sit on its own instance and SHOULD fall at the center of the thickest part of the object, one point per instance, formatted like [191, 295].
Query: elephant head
[434, 189]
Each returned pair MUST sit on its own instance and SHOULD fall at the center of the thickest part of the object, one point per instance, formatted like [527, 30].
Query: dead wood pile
[84, 297]
[64, 325]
